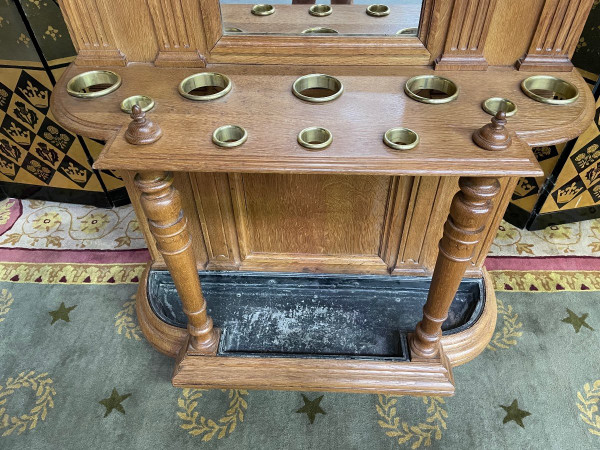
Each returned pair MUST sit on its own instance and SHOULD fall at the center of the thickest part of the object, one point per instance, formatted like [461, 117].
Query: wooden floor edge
[314, 374]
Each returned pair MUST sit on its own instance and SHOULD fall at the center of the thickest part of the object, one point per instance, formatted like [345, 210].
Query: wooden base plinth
[540, 63]
[431, 377]
[426, 377]
[448, 62]
[180, 59]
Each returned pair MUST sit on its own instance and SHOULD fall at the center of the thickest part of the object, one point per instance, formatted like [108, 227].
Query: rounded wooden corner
[167, 339]
[465, 346]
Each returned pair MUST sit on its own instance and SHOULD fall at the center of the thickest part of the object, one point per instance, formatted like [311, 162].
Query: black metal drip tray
[309, 315]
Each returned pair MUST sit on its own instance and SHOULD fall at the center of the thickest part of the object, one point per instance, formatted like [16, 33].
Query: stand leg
[162, 205]
[464, 227]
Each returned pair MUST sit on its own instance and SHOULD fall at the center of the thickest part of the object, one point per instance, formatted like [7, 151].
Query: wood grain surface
[431, 377]
[373, 101]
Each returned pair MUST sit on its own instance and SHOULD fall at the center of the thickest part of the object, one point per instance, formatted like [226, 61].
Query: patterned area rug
[76, 372]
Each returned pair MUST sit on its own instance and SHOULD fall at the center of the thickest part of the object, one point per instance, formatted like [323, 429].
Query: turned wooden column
[469, 212]
[162, 206]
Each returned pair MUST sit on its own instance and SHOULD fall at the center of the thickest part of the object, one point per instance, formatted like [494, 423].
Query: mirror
[322, 18]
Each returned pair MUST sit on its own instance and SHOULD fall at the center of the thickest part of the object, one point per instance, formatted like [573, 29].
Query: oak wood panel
[514, 21]
[399, 199]
[361, 106]
[89, 25]
[556, 36]
[334, 214]
[177, 25]
[422, 205]
[215, 214]
[311, 223]
[111, 32]
[467, 34]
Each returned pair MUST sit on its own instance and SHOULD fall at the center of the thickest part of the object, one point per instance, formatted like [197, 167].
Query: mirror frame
[385, 50]
[189, 33]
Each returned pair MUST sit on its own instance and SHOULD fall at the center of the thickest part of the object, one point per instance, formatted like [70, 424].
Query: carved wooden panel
[314, 223]
[306, 222]
[212, 194]
[467, 33]
[556, 36]
[91, 32]
[177, 24]
[425, 214]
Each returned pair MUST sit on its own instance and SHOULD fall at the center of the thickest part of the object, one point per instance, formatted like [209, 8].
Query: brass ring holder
[496, 104]
[401, 138]
[320, 10]
[229, 136]
[233, 30]
[433, 82]
[205, 80]
[82, 85]
[378, 10]
[317, 81]
[315, 138]
[562, 92]
[320, 30]
[407, 31]
[143, 101]
[263, 9]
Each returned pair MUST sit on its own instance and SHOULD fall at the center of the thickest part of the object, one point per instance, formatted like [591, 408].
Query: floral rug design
[35, 224]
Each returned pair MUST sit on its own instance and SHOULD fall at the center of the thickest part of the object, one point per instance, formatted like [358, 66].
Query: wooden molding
[175, 24]
[469, 27]
[559, 27]
[91, 33]
[431, 377]
[215, 211]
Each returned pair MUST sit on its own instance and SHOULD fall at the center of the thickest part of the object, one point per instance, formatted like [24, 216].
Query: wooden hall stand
[315, 264]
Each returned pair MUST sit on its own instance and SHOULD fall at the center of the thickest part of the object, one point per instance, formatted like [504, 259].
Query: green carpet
[75, 372]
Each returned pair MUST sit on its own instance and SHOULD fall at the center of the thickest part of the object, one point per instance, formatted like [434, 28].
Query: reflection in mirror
[322, 17]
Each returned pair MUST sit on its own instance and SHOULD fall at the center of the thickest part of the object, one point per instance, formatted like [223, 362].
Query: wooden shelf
[373, 101]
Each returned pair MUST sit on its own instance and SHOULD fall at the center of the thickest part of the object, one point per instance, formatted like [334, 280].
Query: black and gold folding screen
[38, 157]
[570, 189]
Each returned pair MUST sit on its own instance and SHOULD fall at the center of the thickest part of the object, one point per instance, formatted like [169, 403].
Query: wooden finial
[141, 130]
[493, 136]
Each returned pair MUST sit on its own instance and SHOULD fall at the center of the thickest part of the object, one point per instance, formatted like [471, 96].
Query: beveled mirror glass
[322, 18]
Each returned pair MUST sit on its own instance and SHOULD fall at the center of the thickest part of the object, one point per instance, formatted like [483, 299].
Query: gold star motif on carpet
[114, 402]
[62, 313]
[514, 413]
[577, 321]
[311, 407]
